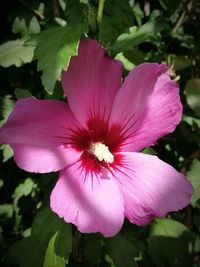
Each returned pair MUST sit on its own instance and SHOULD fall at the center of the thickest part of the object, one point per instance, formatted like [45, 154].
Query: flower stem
[100, 11]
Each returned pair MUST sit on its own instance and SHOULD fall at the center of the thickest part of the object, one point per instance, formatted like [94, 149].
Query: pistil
[102, 152]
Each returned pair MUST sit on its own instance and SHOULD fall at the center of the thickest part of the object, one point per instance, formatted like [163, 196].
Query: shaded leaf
[25, 253]
[170, 5]
[92, 248]
[121, 251]
[76, 12]
[118, 16]
[49, 234]
[22, 93]
[59, 247]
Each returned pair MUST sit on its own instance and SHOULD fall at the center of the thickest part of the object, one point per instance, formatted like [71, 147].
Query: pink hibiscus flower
[94, 140]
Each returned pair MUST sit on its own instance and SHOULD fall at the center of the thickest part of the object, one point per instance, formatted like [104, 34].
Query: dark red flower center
[98, 136]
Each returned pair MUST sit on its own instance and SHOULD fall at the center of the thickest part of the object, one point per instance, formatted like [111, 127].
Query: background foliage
[37, 40]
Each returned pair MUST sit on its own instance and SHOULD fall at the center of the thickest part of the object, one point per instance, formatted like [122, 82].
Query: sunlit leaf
[128, 65]
[19, 26]
[1, 183]
[6, 106]
[192, 90]
[194, 176]
[149, 150]
[7, 152]
[54, 49]
[34, 26]
[24, 189]
[15, 53]
[135, 36]
[6, 210]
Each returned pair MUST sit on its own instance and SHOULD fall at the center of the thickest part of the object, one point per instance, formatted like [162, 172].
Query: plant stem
[100, 11]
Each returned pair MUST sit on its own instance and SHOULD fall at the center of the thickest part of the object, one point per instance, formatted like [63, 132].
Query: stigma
[102, 152]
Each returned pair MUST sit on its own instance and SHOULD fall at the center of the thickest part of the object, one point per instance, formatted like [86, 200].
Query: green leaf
[51, 237]
[34, 26]
[121, 251]
[191, 120]
[28, 187]
[131, 58]
[139, 14]
[1, 183]
[167, 227]
[93, 248]
[25, 252]
[170, 5]
[15, 53]
[137, 35]
[62, 4]
[24, 189]
[194, 177]
[149, 150]
[56, 239]
[7, 152]
[54, 49]
[192, 91]
[6, 107]
[7, 210]
[168, 243]
[19, 26]
[118, 16]
[76, 11]
[51, 259]
[42, 234]
[128, 65]
[22, 93]
[59, 247]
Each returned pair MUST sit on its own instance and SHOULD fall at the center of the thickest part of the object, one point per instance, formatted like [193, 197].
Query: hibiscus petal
[150, 187]
[93, 202]
[147, 106]
[38, 132]
[91, 81]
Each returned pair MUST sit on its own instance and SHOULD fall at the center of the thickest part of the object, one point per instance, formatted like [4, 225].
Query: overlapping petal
[38, 131]
[93, 202]
[91, 81]
[150, 187]
[147, 106]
